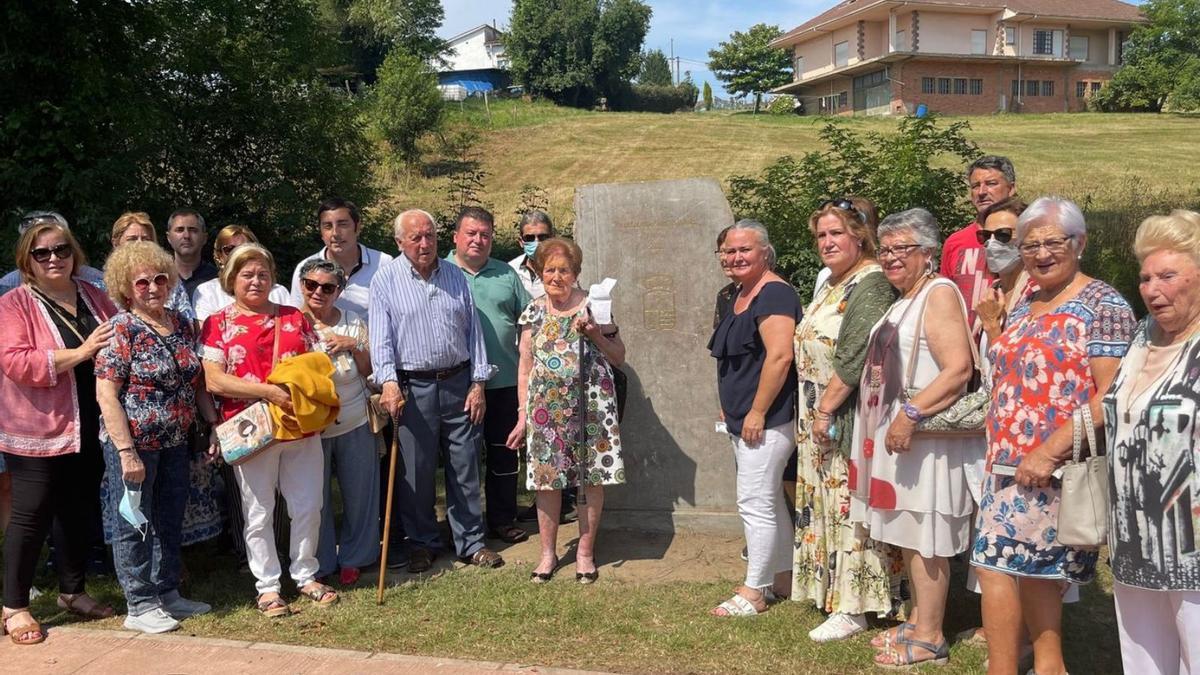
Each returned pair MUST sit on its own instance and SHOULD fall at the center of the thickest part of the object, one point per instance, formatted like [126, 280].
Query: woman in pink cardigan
[53, 326]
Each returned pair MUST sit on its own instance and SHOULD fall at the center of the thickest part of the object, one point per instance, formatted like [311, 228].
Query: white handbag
[1083, 506]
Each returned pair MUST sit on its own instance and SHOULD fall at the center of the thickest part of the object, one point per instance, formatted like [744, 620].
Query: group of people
[927, 409]
[115, 381]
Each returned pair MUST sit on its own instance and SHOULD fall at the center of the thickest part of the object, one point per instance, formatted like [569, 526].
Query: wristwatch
[911, 412]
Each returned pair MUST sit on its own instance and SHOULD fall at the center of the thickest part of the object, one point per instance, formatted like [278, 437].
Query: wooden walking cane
[387, 509]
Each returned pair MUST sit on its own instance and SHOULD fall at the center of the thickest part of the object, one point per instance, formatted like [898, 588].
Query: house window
[1031, 87]
[870, 80]
[943, 85]
[976, 87]
[979, 42]
[843, 99]
[1080, 89]
[1079, 47]
[960, 86]
[1010, 36]
[926, 85]
[1096, 86]
[901, 41]
[1047, 42]
[1047, 87]
[798, 67]
[841, 54]
[1016, 88]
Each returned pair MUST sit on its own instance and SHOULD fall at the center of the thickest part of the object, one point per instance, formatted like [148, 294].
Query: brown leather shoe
[420, 560]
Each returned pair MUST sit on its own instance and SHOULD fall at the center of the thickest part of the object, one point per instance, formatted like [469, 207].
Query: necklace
[160, 326]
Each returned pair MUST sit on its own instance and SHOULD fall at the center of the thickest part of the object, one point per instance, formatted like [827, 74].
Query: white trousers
[764, 513]
[1160, 630]
[297, 469]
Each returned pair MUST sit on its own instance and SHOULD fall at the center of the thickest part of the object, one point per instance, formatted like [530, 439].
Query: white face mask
[1000, 257]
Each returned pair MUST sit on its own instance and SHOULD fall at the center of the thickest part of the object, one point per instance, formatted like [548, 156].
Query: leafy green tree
[655, 69]
[214, 104]
[708, 96]
[574, 51]
[747, 65]
[364, 31]
[1161, 61]
[405, 103]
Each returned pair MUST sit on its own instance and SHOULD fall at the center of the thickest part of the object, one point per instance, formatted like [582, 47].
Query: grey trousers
[434, 424]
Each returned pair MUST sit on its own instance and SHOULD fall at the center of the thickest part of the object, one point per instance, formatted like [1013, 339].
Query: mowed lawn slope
[1076, 155]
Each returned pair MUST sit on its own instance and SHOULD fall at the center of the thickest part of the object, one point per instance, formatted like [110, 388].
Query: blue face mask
[130, 509]
[530, 247]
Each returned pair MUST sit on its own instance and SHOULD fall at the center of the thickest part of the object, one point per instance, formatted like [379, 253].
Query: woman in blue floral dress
[556, 330]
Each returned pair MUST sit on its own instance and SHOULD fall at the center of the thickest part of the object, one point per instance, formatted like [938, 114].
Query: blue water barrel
[922, 110]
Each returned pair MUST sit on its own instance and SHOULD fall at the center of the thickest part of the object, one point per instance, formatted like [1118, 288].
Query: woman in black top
[757, 387]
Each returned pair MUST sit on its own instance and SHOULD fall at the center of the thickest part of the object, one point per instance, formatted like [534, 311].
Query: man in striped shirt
[427, 352]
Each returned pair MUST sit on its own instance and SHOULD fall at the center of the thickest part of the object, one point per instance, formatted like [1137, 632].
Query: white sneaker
[838, 626]
[155, 621]
[181, 608]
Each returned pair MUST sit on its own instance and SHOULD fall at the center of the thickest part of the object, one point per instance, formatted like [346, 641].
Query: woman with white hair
[1061, 346]
[911, 490]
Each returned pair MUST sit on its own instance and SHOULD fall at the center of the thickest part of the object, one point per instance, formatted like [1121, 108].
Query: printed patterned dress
[554, 404]
[835, 564]
[1040, 373]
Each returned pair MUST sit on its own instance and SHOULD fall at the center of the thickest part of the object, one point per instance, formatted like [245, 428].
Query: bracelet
[124, 451]
[912, 413]
[822, 414]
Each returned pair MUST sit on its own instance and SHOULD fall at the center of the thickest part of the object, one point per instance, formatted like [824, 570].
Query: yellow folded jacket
[309, 378]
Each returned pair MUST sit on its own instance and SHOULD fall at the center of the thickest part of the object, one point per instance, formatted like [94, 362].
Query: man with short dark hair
[428, 354]
[187, 236]
[500, 297]
[990, 179]
[340, 225]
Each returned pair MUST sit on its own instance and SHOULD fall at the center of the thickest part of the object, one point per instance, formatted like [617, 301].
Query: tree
[747, 65]
[1161, 61]
[655, 69]
[366, 30]
[573, 51]
[708, 97]
[405, 103]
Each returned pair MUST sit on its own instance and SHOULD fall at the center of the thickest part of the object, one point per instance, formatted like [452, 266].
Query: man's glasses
[528, 238]
[312, 286]
[1002, 235]
[42, 254]
[899, 252]
[142, 284]
[1055, 246]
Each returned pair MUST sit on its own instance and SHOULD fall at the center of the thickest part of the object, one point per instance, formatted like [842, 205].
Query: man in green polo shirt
[500, 297]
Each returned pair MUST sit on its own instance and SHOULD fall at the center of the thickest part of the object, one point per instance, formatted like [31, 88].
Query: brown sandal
[320, 593]
[82, 604]
[28, 633]
[273, 608]
[485, 558]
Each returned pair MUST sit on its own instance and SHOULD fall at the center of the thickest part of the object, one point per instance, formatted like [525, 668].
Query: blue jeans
[149, 568]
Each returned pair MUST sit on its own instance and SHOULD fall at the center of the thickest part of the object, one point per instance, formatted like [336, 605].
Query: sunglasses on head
[42, 254]
[312, 286]
[228, 248]
[1002, 235]
[143, 284]
[845, 205]
[534, 237]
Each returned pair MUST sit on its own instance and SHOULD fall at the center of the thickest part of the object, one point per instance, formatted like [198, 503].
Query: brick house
[884, 57]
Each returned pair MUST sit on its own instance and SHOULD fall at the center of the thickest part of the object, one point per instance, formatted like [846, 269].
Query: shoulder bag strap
[912, 362]
[1090, 428]
[72, 323]
[275, 345]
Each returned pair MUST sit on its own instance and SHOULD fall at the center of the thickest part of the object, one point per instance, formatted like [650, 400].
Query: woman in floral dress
[555, 329]
[835, 565]
[1061, 346]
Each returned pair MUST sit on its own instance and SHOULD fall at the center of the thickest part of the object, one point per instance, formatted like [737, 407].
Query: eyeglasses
[1053, 246]
[312, 286]
[900, 252]
[845, 205]
[42, 255]
[730, 252]
[228, 248]
[1002, 235]
[143, 284]
[528, 238]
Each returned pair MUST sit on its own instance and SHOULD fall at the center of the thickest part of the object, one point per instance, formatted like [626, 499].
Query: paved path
[83, 650]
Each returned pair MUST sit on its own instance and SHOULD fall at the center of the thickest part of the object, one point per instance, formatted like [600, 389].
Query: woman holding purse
[240, 346]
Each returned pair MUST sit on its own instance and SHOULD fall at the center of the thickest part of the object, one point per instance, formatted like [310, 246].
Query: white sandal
[838, 626]
[737, 606]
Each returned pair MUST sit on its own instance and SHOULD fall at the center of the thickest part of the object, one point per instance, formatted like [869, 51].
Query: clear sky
[695, 25]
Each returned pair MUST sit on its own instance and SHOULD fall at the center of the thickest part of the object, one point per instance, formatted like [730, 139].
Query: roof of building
[1112, 10]
[467, 33]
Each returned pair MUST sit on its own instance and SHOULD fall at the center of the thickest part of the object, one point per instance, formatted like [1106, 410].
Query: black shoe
[543, 577]
[420, 560]
[397, 560]
[529, 515]
[586, 578]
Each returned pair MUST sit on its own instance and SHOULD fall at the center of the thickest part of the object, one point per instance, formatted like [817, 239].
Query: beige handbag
[1083, 506]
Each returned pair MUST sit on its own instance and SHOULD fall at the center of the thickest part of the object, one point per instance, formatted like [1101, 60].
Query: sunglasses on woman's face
[142, 284]
[312, 286]
[534, 237]
[42, 255]
[1002, 235]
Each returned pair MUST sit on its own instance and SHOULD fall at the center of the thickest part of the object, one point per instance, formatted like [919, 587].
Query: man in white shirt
[535, 227]
[339, 222]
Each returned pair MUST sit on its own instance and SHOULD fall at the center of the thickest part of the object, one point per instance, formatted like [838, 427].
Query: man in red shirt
[991, 179]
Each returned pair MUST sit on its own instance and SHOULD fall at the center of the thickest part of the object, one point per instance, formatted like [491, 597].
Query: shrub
[651, 98]
[405, 103]
[896, 171]
[783, 104]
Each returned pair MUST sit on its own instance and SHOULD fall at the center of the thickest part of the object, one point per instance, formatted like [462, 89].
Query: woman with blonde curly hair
[146, 385]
